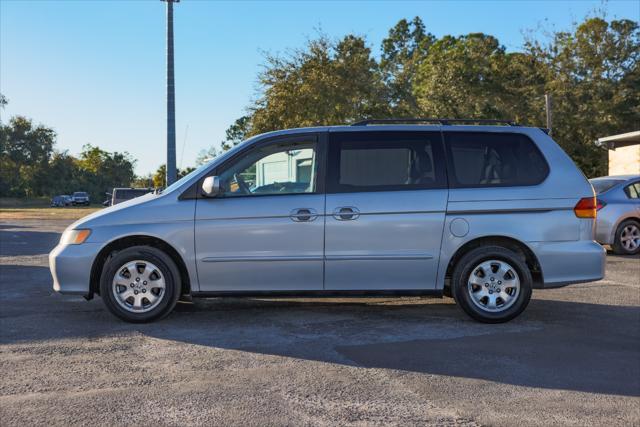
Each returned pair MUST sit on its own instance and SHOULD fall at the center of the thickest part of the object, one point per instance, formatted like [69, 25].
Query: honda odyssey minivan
[484, 213]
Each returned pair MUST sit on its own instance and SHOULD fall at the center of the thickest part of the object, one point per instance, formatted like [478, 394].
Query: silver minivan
[483, 213]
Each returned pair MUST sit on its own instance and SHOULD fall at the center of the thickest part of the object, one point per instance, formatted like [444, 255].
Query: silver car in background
[618, 223]
[482, 213]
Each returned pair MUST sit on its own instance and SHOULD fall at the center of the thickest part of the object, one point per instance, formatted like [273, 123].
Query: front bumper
[564, 263]
[70, 267]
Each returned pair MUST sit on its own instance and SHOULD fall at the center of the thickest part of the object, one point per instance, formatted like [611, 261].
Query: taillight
[586, 207]
[600, 204]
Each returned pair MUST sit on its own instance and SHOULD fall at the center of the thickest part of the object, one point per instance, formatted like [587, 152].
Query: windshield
[79, 194]
[602, 185]
[202, 168]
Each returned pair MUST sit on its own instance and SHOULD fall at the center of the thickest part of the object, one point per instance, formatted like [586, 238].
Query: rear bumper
[70, 267]
[564, 263]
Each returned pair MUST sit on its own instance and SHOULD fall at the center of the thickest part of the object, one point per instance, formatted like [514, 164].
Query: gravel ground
[573, 357]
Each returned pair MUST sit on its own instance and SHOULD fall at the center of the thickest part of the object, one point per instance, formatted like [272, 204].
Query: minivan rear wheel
[491, 284]
[140, 284]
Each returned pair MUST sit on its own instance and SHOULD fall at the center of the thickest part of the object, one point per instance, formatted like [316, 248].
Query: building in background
[624, 152]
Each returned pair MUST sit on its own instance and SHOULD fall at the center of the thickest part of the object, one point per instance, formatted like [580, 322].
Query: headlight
[74, 237]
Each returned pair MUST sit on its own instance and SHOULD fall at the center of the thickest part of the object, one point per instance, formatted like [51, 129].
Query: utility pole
[171, 98]
[547, 105]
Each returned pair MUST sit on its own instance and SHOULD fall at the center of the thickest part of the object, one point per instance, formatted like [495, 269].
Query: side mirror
[211, 186]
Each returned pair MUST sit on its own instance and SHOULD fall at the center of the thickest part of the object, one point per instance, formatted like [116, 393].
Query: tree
[145, 181]
[406, 46]
[236, 133]
[159, 177]
[25, 151]
[461, 77]
[593, 74]
[205, 156]
[326, 83]
[100, 171]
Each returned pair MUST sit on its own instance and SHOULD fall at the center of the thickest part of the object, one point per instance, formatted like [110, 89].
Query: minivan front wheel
[140, 284]
[492, 284]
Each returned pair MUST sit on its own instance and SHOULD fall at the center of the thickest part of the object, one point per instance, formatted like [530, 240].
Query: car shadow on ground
[555, 344]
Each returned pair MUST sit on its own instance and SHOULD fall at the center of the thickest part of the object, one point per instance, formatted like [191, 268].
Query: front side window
[494, 160]
[633, 190]
[286, 168]
[385, 161]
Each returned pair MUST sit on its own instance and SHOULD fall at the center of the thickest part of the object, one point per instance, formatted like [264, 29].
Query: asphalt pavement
[573, 357]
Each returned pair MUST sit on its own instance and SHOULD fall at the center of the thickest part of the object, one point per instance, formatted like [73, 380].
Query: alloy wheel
[138, 286]
[493, 285]
[630, 237]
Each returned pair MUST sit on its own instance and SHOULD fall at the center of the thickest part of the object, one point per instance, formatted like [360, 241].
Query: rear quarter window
[633, 190]
[494, 160]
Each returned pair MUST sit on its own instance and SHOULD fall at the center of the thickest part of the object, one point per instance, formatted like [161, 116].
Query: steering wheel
[241, 184]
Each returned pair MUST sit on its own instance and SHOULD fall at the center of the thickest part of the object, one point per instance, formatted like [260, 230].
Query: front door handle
[346, 213]
[303, 214]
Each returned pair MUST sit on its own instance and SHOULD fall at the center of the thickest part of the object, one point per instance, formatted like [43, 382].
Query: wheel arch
[136, 240]
[515, 245]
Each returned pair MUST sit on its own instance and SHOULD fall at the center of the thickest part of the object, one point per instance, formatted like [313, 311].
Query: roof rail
[443, 122]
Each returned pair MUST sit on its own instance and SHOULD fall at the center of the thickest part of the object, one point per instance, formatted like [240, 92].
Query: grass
[39, 209]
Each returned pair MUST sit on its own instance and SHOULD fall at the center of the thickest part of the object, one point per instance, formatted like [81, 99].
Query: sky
[94, 70]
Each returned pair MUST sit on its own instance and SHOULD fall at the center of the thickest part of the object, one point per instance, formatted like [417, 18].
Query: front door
[265, 232]
[385, 210]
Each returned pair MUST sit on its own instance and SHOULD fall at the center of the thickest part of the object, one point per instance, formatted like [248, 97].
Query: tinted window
[602, 185]
[494, 159]
[286, 168]
[385, 161]
[633, 190]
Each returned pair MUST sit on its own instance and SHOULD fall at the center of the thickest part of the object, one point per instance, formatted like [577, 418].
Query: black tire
[465, 267]
[618, 247]
[168, 270]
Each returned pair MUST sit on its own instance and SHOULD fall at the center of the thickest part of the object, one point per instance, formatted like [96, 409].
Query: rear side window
[633, 190]
[385, 161]
[494, 160]
[602, 185]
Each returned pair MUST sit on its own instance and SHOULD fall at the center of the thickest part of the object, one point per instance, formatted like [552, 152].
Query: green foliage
[326, 83]
[593, 75]
[159, 178]
[402, 53]
[30, 167]
[591, 72]
[236, 133]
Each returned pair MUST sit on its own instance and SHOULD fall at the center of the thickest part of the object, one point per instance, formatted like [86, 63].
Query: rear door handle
[346, 213]
[303, 214]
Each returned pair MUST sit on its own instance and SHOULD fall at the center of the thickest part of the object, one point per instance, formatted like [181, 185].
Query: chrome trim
[505, 211]
[263, 258]
[399, 257]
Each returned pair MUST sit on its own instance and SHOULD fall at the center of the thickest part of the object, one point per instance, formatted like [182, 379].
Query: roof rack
[443, 122]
